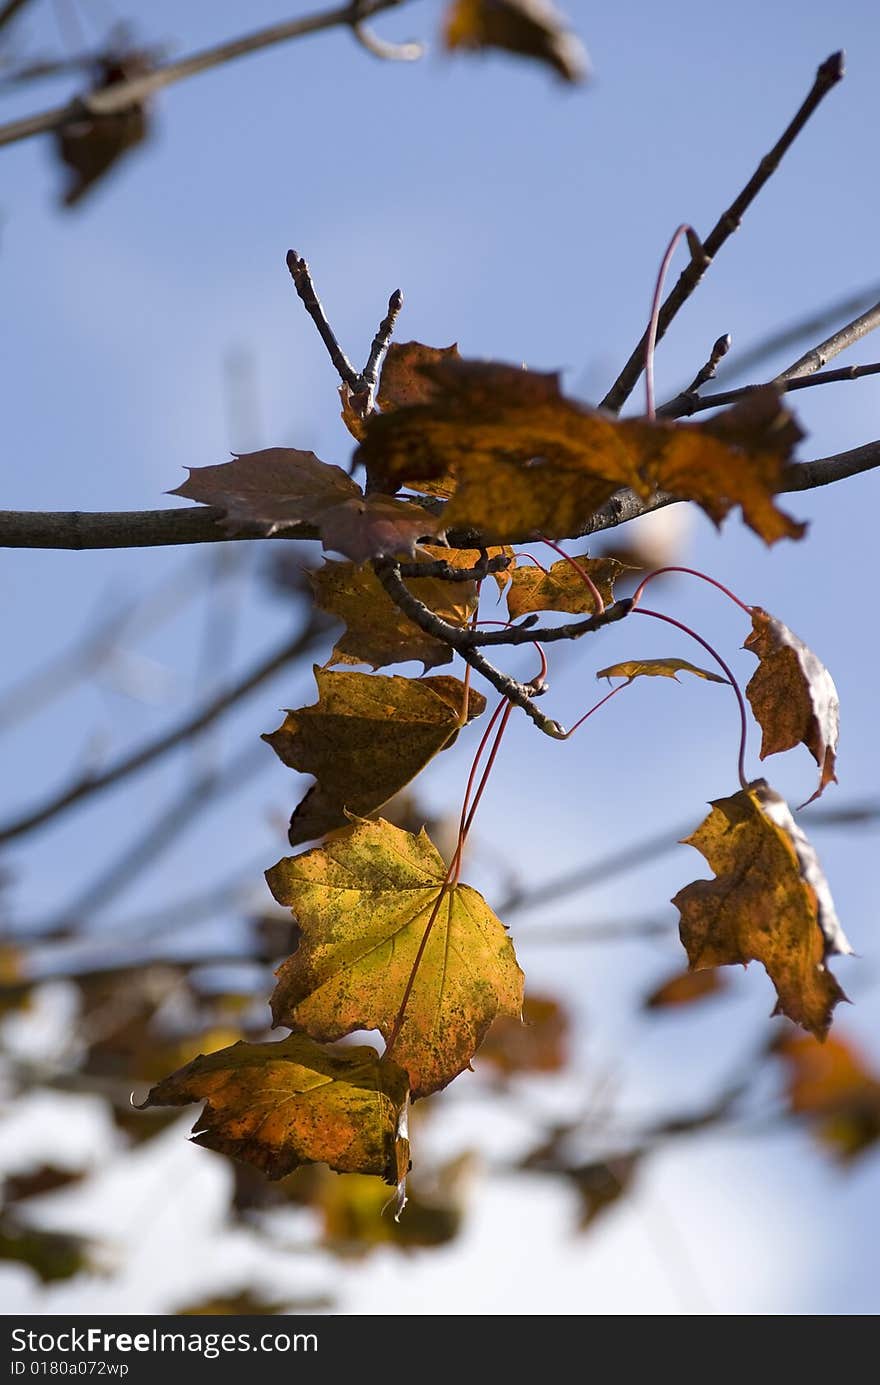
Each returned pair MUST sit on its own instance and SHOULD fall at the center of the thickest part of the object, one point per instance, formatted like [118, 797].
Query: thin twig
[381, 340]
[800, 330]
[686, 404]
[128, 93]
[706, 373]
[302, 280]
[832, 346]
[79, 530]
[447, 573]
[828, 75]
[152, 750]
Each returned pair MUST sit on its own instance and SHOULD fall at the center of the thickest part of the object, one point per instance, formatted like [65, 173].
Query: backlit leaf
[832, 1086]
[529, 461]
[561, 588]
[363, 740]
[270, 491]
[378, 633]
[793, 696]
[537, 1043]
[769, 903]
[657, 668]
[279, 1105]
[685, 988]
[363, 903]
[531, 28]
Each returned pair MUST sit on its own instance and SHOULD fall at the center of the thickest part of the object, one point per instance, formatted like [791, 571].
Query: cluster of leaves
[389, 940]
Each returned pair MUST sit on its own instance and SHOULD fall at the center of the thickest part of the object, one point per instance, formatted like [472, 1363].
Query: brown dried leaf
[279, 488]
[833, 1087]
[657, 668]
[769, 903]
[363, 902]
[52, 1255]
[601, 1183]
[529, 462]
[793, 696]
[560, 588]
[685, 988]
[90, 145]
[363, 740]
[279, 1105]
[536, 1043]
[530, 28]
[378, 633]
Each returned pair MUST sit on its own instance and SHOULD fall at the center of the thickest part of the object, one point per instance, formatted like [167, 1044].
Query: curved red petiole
[691, 572]
[713, 653]
[651, 340]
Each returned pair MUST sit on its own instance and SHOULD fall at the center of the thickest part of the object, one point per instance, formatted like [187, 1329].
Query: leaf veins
[364, 739]
[769, 902]
[363, 903]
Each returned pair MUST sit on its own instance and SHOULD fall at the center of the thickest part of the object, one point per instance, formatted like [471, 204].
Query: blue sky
[526, 221]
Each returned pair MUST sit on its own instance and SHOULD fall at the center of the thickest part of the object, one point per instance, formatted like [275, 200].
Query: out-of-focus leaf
[52, 1255]
[561, 588]
[530, 28]
[35, 1182]
[278, 1105]
[356, 1215]
[377, 632]
[248, 1304]
[793, 696]
[833, 1087]
[685, 988]
[363, 740]
[364, 902]
[90, 145]
[769, 903]
[657, 668]
[538, 1043]
[270, 491]
[530, 462]
[601, 1183]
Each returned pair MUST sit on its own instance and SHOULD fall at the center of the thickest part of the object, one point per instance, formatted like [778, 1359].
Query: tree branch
[832, 346]
[828, 75]
[688, 402]
[79, 530]
[152, 750]
[128, 93]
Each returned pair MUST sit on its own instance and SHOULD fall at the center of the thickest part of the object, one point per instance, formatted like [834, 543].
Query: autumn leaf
[685, 988]
[363, 740]
[403, 381]
[90, 145]
[657, 668]
[601, 1183]
[377, 632]
[355, 1218]
[832, 1086]
[529, 461]
[279, 1105]
[363, 903]
[561, 588]
[769, 903]
[51, 1255]
[279, 488]
[793, 696]
[36, 1182]
[537, 1043]
[530, 28]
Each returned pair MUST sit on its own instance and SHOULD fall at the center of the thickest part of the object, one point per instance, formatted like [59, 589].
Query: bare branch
[828, 75]
[302, 280]
[800, 330]
[154, 749]
[686, 403]
[381, 340]
[128, 93]
[832, 346]
[79, 530]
